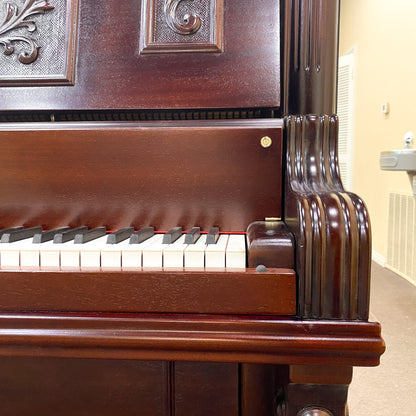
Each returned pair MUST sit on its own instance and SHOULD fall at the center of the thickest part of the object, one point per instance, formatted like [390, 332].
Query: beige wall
[383, 33]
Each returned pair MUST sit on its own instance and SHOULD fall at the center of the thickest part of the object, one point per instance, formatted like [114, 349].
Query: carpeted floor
[390, 389]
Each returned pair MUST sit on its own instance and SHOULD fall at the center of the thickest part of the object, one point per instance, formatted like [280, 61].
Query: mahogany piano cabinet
[217, 114]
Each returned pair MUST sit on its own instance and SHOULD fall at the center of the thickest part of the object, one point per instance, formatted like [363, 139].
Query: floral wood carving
[15, 20]
[191, 22]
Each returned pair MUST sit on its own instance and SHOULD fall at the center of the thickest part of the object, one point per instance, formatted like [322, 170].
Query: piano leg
[316, 391]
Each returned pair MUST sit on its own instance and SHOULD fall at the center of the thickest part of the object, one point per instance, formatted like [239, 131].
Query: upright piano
[194, 143]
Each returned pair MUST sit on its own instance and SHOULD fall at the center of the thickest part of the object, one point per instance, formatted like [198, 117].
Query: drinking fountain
[402, 160]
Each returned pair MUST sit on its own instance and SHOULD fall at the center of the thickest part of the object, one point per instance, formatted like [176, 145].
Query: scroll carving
[40, 33]
[181, 26]
[191, 22]
[15, 20]
[331, 226]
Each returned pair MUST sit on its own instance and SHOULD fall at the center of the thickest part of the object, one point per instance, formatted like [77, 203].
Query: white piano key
[50, 255]
[69, 254]
[153, 254]
[195, 253]
[111, 254]
[123, 254]
[90, 253]
[229, 251]
[215, 253]
[30, 255]
[131, 255]
[235, 255]
[10, 252]
[173, 254]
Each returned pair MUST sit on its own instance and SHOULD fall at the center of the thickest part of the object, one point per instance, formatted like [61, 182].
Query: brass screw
[266, 142]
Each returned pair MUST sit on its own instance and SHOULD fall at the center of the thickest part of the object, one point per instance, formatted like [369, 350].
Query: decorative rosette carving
[15, 20]
[190, 24]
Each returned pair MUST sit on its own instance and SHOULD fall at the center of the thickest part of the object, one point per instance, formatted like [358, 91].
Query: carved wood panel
[37, 42]
[111, 74]
[181, 26]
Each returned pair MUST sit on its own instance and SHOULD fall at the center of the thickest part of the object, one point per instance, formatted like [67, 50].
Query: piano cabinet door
[39, 386]
[206, 389]
[82, 387]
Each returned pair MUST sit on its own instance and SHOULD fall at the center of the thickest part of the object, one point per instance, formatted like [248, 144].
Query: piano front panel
[226, 63]
[83, 387]
[120, 387]
[213, 173]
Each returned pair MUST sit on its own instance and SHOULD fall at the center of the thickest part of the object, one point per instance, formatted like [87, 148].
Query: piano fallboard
[187, 173]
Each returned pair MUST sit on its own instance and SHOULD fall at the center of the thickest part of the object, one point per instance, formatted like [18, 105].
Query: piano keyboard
[126, 249]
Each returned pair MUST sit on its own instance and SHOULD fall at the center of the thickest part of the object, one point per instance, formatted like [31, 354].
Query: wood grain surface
[180, 291]
[110, 72]
[190, 337]
[161, 174]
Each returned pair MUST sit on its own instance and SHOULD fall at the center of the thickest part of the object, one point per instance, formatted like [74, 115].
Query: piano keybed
[92, 249]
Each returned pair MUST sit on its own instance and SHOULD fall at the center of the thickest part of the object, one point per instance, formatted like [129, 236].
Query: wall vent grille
[401, 245]
[345, 110]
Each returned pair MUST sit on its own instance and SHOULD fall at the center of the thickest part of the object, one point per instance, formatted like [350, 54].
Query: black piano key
[142, 235]
[90, 235]
[213, 235]
[193, 235]
[120, 235]
[8, 230]
[47, 235]
[172, 235]
[20, 234]
[69, 235]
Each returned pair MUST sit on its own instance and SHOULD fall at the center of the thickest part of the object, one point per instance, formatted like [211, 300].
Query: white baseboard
[379, 258]
[400, 274]
[382, 261]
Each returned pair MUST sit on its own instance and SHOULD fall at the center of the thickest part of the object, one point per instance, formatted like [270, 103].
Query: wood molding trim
[190, 337]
